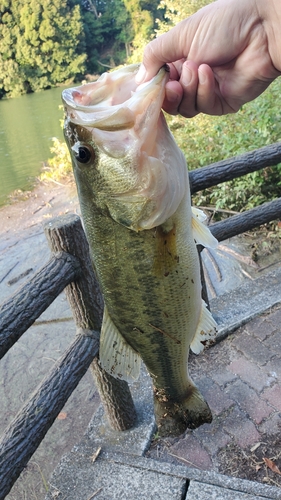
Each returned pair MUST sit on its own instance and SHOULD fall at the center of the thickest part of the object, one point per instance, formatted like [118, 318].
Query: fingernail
[171, 96]
[202, 77]
[140, 76]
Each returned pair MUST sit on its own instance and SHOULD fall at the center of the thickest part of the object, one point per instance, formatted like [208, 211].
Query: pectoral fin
[116, 356]
[206, 330]
[202, 233]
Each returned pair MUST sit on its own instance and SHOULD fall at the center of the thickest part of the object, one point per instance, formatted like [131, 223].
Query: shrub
[208, 139]
[59, 166]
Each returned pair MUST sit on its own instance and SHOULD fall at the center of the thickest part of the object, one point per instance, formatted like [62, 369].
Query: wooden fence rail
[70, 269]
[246, 221]
[225, 170]
[23, 436]
[20, 311]
[27, 430]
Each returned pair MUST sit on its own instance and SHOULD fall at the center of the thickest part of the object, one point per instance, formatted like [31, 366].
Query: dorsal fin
[116, 356]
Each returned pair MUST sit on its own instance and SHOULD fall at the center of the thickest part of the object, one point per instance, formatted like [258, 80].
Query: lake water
[27, 125]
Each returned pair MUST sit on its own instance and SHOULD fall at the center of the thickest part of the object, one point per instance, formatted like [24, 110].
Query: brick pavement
[240, 378]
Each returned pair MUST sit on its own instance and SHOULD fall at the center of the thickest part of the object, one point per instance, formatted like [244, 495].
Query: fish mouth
[110, 103]
[101, 91]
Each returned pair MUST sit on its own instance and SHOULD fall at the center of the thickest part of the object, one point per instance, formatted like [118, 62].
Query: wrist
[270, 14]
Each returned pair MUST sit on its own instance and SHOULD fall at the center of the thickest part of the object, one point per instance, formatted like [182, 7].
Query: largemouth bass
[135, 202]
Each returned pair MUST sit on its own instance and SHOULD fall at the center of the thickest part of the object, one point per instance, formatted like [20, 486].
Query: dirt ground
[26, 209]
[261, 463]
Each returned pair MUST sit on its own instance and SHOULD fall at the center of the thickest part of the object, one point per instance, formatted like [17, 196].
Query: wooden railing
[70, 269]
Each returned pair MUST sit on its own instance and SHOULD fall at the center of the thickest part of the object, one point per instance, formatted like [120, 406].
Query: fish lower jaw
[173, 418]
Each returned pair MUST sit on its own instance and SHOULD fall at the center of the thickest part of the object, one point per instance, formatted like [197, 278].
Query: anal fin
[116, 356]
[205, 332]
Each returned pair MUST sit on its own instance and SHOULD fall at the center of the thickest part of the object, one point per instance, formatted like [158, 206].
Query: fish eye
[84, 154]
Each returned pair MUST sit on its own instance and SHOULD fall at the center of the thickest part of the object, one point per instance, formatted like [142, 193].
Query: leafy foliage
[41, 44]
[59, 166]
[142, 24]
[46, 43]
[207, 139]
[176, 11]
[107, 29]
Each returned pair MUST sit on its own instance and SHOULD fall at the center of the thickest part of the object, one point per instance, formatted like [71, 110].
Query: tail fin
[174, 418]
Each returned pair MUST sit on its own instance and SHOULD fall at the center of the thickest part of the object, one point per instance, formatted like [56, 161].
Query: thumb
[167, 48]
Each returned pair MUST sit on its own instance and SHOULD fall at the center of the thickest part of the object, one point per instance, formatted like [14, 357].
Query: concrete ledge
[202, 477]
[199, 491]
[78, 478]
[134, 441]
[123, 476]
[233, 309]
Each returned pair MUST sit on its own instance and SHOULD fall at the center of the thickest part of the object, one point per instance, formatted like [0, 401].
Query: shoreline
[35, 207]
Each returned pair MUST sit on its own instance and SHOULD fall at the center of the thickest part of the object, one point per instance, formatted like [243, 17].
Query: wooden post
[116, 398]
[65, 234]
[85, 299]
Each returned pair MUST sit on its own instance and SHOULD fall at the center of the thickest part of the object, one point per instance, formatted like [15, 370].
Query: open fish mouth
[110, 103]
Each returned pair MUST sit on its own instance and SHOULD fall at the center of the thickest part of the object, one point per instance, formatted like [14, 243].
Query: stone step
[125, 477]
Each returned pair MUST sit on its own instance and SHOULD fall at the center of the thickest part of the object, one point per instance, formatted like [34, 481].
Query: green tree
[140, 28]
[41, 44]
[105, 28]
[125, 35]
[177, 10]
[150, 18]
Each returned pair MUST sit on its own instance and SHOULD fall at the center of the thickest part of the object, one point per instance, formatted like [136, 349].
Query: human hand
[221, 57]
